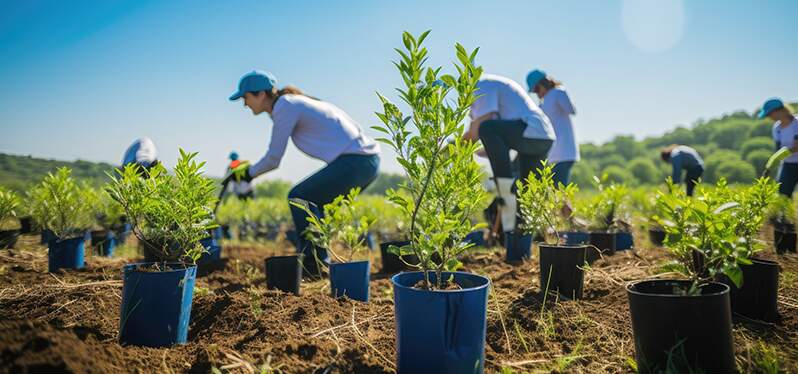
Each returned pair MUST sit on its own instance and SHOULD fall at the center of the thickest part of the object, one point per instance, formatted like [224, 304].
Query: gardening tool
[777, 157]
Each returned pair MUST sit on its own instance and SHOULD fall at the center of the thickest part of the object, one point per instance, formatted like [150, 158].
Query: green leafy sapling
[170, 213]
[341, 229]
[606, 209]
[107, 213]
[62, 205]
[701, 233]
[782, 213]
[541, 201]
[444, 183]
[754, 201]
[9, 205]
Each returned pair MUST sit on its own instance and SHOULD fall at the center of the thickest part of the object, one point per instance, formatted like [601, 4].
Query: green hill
[735, 146]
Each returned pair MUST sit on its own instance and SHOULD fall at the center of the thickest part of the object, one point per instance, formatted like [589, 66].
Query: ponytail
[548, 83]
[287, 90]
[665, 153]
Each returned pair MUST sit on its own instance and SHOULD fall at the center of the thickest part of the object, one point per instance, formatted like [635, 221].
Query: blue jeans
[562, 172]
[321, 188]
[693, 175]
[788, 177]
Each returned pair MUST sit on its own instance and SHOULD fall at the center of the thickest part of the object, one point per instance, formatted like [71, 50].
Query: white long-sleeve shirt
[557, 106]
[319, 129]
[509, 101]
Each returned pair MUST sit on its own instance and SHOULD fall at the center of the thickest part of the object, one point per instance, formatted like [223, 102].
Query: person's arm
[565, 104]
[473, 129]
[676, 163]
[284, 121]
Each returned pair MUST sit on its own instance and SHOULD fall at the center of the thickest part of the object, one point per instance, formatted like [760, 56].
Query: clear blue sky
[82, 79]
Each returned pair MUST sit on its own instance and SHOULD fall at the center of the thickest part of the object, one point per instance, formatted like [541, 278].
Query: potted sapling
[782, 216]
[341, 231]
[757, 297]
[170, 214]
[9, 204]
[541, 201]
[108, 215]
[605, 212]
[62, 208]
[391, 226]
[440, 313]
[689, 320]
[573, 229]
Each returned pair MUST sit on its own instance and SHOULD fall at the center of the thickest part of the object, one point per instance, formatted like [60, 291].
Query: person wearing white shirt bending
[322, 131]
[558, 107]
[504, 117]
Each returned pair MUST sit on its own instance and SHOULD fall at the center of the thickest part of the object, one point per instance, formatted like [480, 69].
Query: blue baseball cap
[254, 81]
[533, 78]
[234, 155]
[769, 106]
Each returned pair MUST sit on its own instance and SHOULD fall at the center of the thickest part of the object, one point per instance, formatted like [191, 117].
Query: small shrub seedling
[9, 204]
[61, 205]
[540, 200]
[606, 209]
[444, 183]
[340, 230]
[754, 202]
[106, 211]
[170, 213]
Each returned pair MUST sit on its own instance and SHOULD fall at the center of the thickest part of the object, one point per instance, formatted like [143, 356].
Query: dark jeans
[321, 188]
[788, 177]
[562, 172]
[692, 177]
[499, 137]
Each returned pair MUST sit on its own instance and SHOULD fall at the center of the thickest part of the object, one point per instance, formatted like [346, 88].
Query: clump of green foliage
[782, 211]
[444, 183]
[9, 204]
[702, 233]
[62, 205]
[170, 213]
[606, 209]
[340, 230]
[107, 213]
[754, 201]
[391, 221]
[541, 200]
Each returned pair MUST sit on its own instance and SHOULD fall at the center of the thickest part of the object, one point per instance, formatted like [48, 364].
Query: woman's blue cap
[533, 78]
[769, 106]
[234, 155]
[254, 81]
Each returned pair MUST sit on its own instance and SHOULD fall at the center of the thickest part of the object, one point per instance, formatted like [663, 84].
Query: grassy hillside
[19, 172]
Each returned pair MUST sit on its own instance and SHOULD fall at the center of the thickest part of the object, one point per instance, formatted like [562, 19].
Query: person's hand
[777, 157]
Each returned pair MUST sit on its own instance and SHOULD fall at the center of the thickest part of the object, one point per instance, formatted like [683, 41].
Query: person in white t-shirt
[558, 107]
[785, 133]
[320, 130]
[504, 117]
[141, 152]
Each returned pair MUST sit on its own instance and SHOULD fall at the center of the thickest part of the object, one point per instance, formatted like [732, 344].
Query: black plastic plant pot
[518, 245]
[350, 279]
[757, 297]
[226, 232]
[656, 236]
[47, 236]
[65, 254]
[624, 241]
[560, 270]
[284, 273]
[156, 304]
[391, 263]
[103, 242]
[692, 332]
[784, 239]
[8, 238]
[575, 237]
[25, 225]
[440, 331]
[604, 243]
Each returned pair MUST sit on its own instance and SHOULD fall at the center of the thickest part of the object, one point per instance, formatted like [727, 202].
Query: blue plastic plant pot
[217, 233]
[519, 246]
[350, 279]
[65, 254]
[156, 304]
[214, 251]
[368, 238]
[624, 241]
[440, 331]
[103, 242]
[47, 237]
[124, 232]
[477, 238]
[575, 237]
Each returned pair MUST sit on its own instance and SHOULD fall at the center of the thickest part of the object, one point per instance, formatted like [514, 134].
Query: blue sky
[82, 79]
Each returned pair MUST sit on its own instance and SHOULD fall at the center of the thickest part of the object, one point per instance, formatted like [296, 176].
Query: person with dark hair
[322, 131]
[682, 157]
[559, 109]
[785, 133]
